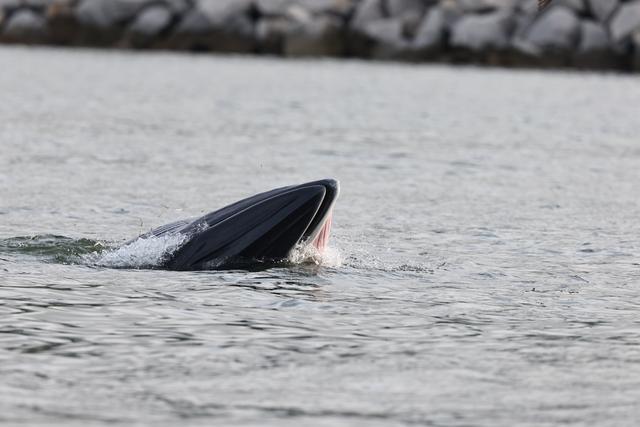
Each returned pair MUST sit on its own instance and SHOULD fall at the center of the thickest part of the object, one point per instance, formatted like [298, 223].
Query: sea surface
[483, 270]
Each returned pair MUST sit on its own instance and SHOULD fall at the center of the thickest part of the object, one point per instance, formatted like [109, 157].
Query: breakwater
[589, 34]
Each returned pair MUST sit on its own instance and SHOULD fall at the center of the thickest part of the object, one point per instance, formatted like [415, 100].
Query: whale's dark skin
[264, 227]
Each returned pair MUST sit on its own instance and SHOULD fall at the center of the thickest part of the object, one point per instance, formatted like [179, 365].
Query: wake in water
[151, 252]
[52, 247]
[143, 253]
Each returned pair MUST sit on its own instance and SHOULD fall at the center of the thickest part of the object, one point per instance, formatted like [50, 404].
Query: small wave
[51, 247]
[145, 252]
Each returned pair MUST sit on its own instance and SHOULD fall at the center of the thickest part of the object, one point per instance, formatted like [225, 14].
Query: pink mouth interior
[322, 239]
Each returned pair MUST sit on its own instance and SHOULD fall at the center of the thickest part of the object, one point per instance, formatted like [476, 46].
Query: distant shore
[582, 34]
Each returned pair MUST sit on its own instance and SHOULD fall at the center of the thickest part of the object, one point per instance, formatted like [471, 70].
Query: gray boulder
[555, 31]
[279, 7]
[177, 7]
[594, 49]
[220, 25]
[62, 22]
[405, 7]
[410, 12]
[452, 11]
[625, 21]
[219, 11]
[9, 5]
[332, 7]
[270, 33]
[522, 23]
[106, 14]
[272, 7]
[483, 6]
[150, 23]
[482, 33]
[578, 6]
[321, 36]
[25, 26]
[102, 22]
[603, 9]
[635, 44]
[389, 41]
[429, 38]
[528, 7]
[367, 11]
[593, 38]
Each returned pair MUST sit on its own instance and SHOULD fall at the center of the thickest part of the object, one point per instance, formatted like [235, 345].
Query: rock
[299, 14]
[272, 7]
[149, 24]
[106, 14]
[594, 49]
[388, 39]
[484, 6]
[482, 33]
[102, 22]
[36, 5]
[523, 22]
[25, 26]
[218, 11]
[593, 38]
[396, 8]
[333, 7]
[635, 43]
[358, 42]
[603, 9]
[555, 31]
[410, 12]
[63, 26]
[367, 11]
[529, 7]
[280, 7]
[430, 35]
[270, 33]
[10, 4]
[578, 6]
[625, 21]
[452, 11]
[220, 25]
[322, 36]
[177, 7]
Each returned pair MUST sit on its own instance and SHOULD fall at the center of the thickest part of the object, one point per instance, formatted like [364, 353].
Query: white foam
[308, 254]
[145, 252]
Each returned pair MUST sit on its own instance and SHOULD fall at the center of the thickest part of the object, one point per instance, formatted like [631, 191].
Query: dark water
[485, 262]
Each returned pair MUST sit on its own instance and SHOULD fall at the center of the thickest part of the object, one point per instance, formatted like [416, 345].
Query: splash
[145, 252]
[304, 253]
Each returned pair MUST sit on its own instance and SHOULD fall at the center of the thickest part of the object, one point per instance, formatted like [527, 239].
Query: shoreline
[583, 35]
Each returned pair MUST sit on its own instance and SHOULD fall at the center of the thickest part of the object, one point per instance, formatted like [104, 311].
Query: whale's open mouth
[320, 228]
[266, 226]
[321, 241]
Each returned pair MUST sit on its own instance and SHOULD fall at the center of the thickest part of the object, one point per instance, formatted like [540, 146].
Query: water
[485, 262]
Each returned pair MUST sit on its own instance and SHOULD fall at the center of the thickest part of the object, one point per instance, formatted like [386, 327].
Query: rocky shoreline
[585, 34]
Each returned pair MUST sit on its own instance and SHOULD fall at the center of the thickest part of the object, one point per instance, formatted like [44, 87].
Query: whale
[262, 228]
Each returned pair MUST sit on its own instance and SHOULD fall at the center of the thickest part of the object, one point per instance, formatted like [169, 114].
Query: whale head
[263, 227]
